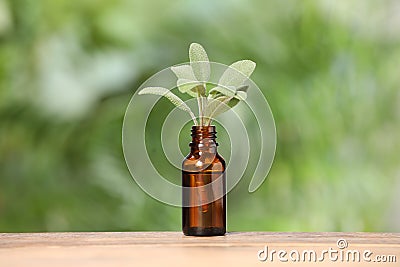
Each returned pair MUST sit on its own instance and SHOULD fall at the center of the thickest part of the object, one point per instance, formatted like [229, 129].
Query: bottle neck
[203, 139]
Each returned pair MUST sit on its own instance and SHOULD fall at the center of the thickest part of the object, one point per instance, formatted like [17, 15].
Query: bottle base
[199, 231]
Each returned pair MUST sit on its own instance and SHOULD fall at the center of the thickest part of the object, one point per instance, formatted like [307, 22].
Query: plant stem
[206, 118]
[193, 118]
[200, 108]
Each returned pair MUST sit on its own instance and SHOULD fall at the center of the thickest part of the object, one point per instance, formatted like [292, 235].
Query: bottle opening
[203, 130]
[200, 134]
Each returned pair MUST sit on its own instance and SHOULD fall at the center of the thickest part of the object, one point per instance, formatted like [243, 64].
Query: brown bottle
[204, 186]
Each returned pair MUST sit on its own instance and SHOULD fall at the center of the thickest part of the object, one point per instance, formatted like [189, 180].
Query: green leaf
[226, 91]
[209, 86]
[200, 90]
[187, 83]
[241, 92]
[199, 62]
[241, 95]
[214, 103]
[220, 105]
[184, 72]
[229, 92]
[188, 87]
[168, 94]
[237, 73]
[243, 88]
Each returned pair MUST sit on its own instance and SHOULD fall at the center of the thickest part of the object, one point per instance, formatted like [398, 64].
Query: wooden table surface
[173, 249]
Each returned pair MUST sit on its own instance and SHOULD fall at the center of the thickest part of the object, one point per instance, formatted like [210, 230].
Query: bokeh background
[329, 69]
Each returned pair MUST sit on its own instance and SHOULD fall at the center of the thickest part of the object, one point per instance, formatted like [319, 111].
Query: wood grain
[175, 249]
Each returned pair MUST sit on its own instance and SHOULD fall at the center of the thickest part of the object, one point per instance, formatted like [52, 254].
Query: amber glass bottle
[204, 186]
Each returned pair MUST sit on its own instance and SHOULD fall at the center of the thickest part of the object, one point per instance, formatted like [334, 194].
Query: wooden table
[174, 249]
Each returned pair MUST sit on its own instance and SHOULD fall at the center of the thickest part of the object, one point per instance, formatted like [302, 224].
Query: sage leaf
[187, 82]
[188, 86]
[199, 62]
[226, 91]
[230, 92]
[237, 73]
[243, 88]
[184, 72]
[241, 95]
[167, 94]
[220, 105]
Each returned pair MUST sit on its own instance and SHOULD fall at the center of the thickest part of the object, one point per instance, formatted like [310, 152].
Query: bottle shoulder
[203, 161]
[201, 156]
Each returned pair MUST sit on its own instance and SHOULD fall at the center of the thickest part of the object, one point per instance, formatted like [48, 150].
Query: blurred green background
[329, 69]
